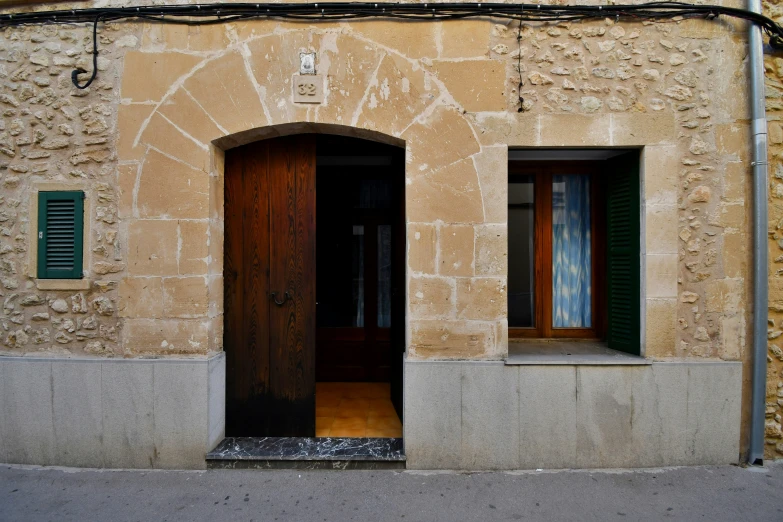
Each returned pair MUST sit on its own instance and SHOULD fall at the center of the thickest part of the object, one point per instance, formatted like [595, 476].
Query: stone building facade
[774, 406]
[129, 358]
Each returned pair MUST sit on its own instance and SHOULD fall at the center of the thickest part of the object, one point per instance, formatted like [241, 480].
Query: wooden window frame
[542, 173]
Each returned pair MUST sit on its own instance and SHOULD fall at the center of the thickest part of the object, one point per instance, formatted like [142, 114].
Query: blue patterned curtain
[571, 259]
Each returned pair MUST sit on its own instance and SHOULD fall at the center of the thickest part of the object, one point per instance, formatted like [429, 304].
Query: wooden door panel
[282, 319]
[256, 278]
[304, 282]
[292, 260]
[270, 249]
[341, 356]
[238, 381]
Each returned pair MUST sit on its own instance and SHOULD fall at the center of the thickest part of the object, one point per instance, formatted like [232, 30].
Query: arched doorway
[314, 287]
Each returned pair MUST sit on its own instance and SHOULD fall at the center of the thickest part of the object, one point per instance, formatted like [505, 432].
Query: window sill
[561, 353]
[62, 284]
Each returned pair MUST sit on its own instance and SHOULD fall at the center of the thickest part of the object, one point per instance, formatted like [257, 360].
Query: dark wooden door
[269, 288]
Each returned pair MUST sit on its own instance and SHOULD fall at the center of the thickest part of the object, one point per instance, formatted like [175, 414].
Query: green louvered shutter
[60, 234]
[623, 254]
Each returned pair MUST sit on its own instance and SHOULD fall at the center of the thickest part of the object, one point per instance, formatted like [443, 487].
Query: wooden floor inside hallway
[355, 409]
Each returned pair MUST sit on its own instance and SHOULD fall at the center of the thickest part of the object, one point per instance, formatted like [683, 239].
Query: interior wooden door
[361, 276]
[269, 288]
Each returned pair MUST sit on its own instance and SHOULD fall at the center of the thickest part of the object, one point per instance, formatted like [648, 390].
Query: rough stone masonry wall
[51, 132]
[695, 186]
[774, 91]
[141, 143]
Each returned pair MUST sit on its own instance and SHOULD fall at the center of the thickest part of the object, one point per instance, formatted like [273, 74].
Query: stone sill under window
[62, 284]
[568, 352]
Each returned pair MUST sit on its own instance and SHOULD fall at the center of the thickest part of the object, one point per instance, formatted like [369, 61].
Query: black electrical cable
[197, 14]
[216, 13]
[519, 69]
[75, 74]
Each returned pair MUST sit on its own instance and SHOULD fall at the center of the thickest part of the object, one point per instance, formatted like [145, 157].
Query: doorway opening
[360, 256]
[314, 288]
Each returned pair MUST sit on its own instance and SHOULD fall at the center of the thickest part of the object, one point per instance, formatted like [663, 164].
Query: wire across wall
[217, 13]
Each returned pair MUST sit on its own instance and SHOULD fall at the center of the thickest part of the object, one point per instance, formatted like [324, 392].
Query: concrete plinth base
[486, 415]
[124, 413]
[458, 415]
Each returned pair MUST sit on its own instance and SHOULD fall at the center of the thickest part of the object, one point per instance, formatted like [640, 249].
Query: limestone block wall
[450, 92]
[147, 141]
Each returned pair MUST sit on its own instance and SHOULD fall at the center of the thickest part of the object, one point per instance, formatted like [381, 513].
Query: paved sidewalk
[708, 493]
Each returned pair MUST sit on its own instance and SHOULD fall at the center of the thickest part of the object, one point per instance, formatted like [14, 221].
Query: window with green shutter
[60, 234]
[574, 246]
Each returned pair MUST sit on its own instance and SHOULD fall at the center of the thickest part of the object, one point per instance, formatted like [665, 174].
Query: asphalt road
[705, 493]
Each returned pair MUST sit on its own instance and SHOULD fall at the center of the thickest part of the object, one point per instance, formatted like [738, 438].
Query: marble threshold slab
[309, 449]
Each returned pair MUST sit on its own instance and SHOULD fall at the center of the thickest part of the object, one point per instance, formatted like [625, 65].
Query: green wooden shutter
[623, 254]
[60, 234]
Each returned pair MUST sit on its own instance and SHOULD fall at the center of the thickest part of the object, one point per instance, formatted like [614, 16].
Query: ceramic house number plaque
[306, 63]
[308, 88]
[307, 85]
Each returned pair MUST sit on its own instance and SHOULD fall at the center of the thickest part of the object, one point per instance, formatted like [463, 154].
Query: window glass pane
[358, 275]
[521, 272]
[384, 276]
[571, 252]
[374, 193]
[340, 275]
